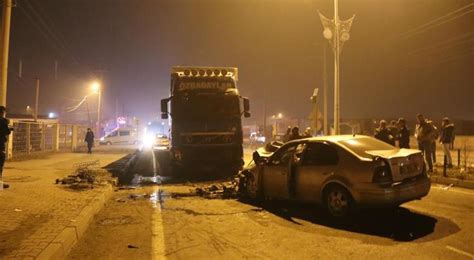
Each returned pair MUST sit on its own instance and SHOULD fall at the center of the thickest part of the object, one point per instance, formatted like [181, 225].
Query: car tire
[109, 143]
[338, 201]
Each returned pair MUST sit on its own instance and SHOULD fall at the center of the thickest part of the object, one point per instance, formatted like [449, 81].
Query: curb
[455, 182]
[60, 247]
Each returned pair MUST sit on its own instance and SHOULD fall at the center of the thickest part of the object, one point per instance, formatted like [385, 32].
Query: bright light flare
[95, 87]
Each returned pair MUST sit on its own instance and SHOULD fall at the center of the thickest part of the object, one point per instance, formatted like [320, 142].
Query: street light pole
[337, 32]
[37, 99]
[98, 110]
[7, 13]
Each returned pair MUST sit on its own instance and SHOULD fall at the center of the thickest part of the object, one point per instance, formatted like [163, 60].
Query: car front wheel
[338, 201]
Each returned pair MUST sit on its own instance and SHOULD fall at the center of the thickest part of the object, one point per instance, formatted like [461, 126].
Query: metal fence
[34, 137]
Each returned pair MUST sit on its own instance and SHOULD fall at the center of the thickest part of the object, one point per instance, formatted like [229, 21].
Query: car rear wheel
[339, 203]
[109, 143]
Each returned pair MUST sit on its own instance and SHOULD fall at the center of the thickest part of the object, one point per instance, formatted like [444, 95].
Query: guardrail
[35, 137]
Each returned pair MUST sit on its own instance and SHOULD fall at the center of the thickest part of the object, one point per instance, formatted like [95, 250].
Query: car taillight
[382, 172]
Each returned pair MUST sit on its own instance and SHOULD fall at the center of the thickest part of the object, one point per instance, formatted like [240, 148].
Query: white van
[120, 136]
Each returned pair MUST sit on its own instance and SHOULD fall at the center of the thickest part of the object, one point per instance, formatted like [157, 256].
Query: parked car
[120, 136]
[339, 172]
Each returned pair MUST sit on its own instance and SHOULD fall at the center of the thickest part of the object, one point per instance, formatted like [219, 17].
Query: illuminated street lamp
[336, 32]
[280, 115]
[97, 89]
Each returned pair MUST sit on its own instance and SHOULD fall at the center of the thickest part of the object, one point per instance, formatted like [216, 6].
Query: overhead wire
[439, 21]
[60, 45]
[449, 43]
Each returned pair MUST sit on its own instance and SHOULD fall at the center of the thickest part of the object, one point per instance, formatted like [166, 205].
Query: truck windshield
[206, 106]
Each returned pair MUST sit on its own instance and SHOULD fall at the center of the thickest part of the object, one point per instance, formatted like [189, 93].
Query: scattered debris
[86, 175]
[447, 187]
[132, 246]
[226, 190]
[17, 210]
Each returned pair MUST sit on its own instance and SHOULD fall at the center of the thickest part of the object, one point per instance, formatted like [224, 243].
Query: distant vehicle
[206, 125]
[156, 141]
[257, 138]
[339, 172]
[122, 136]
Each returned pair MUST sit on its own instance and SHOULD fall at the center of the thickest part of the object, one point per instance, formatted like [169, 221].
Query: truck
[205, 110]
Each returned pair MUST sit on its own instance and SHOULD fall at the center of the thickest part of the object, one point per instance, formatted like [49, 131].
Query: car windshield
[362, 144]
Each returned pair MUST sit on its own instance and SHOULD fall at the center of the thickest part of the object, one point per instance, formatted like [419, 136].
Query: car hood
[264, 153]
[395, 153]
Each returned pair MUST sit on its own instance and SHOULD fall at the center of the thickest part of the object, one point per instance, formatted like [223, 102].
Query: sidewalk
[39, 218]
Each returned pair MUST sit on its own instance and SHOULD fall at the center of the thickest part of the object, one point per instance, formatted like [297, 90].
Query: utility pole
[337, 32]
[7, 13]
[37, 98]
[98, 111]
[265, 112]
[116, 108]
[325, 91]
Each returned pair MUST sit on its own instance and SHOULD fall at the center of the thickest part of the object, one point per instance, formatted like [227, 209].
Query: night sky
[386, 69]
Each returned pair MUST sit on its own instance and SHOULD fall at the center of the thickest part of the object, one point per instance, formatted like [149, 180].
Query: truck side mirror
[164, 108]
[246, 107]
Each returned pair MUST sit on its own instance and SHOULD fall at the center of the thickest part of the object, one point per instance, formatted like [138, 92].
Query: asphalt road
[170, 221]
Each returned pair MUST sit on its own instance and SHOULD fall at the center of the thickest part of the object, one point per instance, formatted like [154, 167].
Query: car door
[319, 162]
[276, 173]
[124, 136]
[113, 137]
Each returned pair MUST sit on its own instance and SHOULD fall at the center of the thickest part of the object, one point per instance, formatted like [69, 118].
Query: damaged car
[341, 173]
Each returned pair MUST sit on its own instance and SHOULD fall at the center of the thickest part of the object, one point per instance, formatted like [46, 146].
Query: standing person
[287, 135]
[382, 133]
[393, 129]
[445, 139]
[5, 131]
[295, 133]
[425, 136]
[89, 140]
[307, 133]
[403, 134]
[433, 143]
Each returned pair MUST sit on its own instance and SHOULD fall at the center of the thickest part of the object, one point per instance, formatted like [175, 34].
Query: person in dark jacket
[425, 134]
[446, 138]
[382, 133]
[403, 134]
[393, 129]
[295, 134]
[89, 140]
[5, 131]
[287, 135]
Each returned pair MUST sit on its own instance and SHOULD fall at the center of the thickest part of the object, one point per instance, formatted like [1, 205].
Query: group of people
[426, 134]
[293, 133]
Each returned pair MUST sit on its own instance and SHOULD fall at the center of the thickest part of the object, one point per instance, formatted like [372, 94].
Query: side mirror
[246, 104]
[256, 157]
[164, 108]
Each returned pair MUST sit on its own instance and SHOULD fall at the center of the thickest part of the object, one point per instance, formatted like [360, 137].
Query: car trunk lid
[404, 163]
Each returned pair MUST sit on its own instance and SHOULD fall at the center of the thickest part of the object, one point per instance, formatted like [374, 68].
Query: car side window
[284, 155]
[320, 154]
[124, 133]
